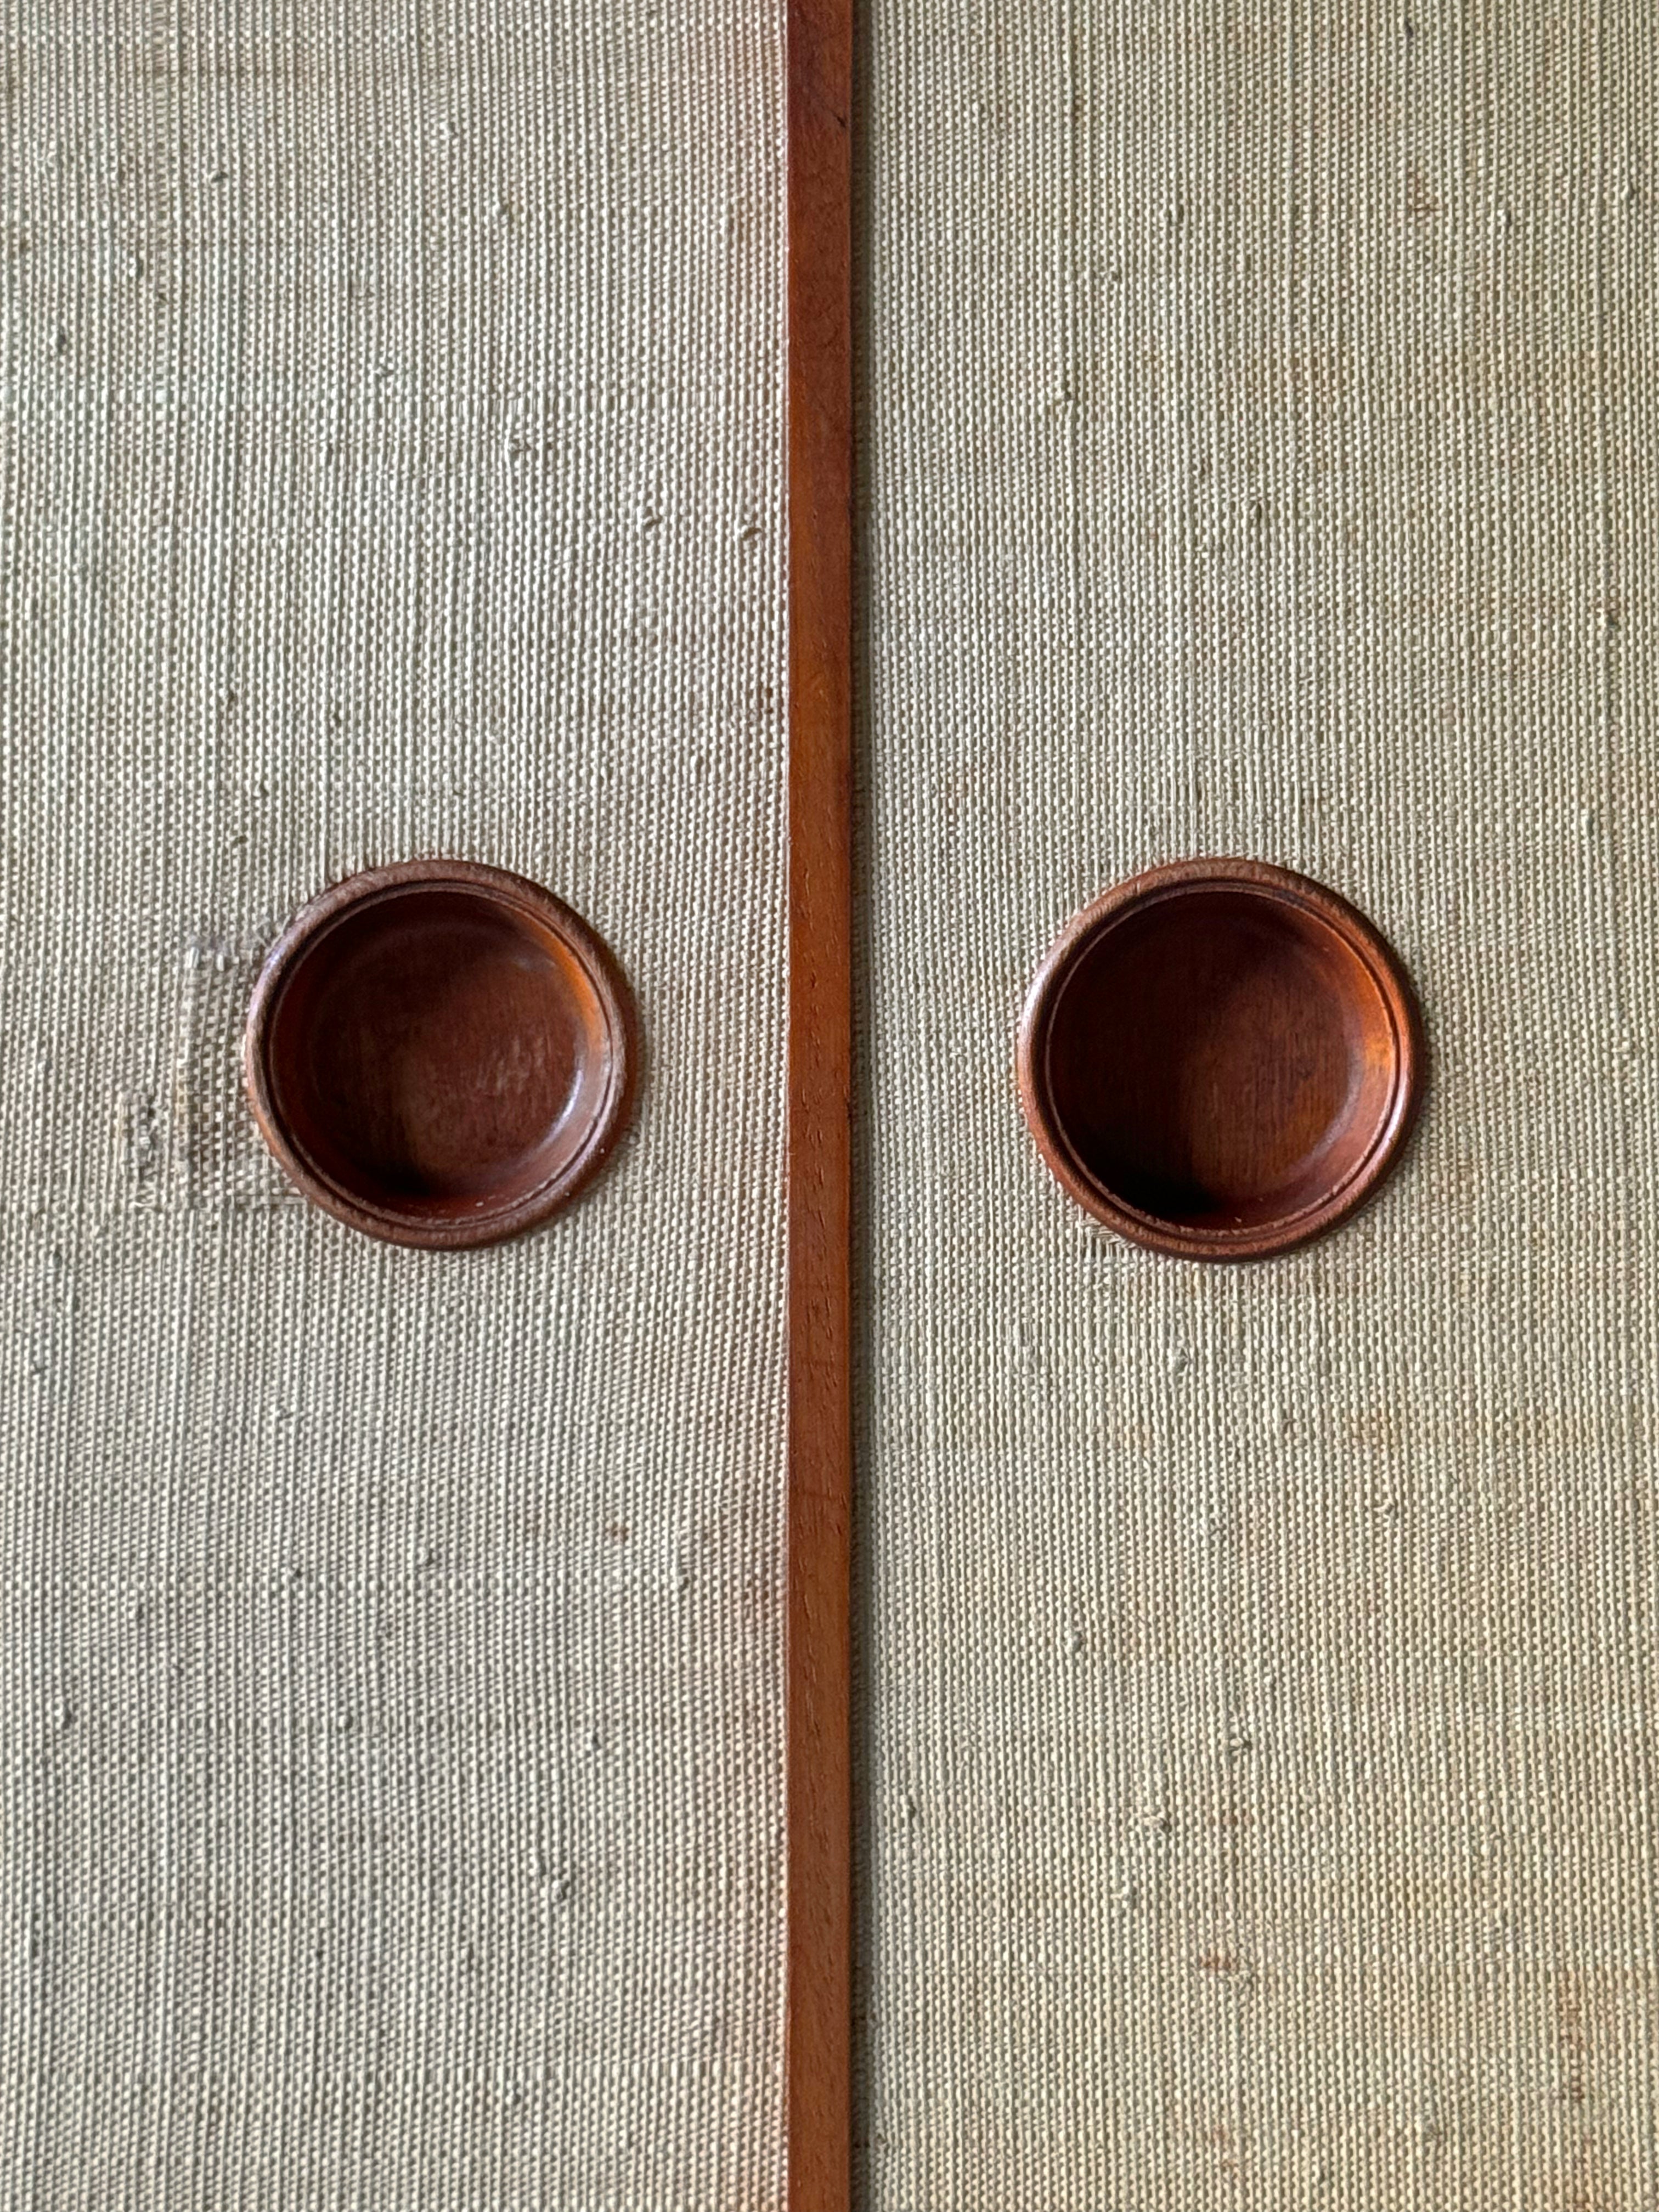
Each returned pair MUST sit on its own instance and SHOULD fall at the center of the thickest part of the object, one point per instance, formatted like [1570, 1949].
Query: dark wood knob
[1220, 1059]
[441, 1054]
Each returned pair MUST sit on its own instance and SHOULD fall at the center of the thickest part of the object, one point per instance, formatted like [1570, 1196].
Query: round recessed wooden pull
[440, 1054]
[1220, 1059]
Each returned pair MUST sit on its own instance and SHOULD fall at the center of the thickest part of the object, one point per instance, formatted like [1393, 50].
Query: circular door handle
[1220, 1059]
[441, 1054]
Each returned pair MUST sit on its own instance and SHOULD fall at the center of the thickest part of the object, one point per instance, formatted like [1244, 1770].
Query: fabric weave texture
[392, 464]
[1257, 1668]
[1260, 420]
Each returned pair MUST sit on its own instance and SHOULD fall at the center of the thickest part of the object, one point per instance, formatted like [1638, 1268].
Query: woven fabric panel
[1261, 411]
[392, 1742]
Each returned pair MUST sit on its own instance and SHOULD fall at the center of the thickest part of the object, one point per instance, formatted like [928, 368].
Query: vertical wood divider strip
[818, 2060]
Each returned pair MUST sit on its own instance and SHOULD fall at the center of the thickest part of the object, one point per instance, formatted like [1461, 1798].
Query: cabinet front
[1255, 1194]
[1256, 1676]
[392, 468]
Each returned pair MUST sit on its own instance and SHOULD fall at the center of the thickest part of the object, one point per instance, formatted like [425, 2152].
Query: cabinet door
[1257, 1767]
[393, 464]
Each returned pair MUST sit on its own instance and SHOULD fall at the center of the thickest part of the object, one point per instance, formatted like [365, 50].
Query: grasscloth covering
[392, 418]
[1259, 1668]
[1260, 411]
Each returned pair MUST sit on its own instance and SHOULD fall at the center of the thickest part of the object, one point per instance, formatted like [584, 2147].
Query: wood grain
[818, 2064]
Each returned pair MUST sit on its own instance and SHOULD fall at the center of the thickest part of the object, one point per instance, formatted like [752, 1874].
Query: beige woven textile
[393, 423]
[1262, 424]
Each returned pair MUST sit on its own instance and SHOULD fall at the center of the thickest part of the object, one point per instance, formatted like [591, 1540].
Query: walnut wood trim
[817, 2062]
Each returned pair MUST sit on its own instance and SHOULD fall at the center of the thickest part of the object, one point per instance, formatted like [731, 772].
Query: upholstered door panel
[1259, 421]
[392, 463]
